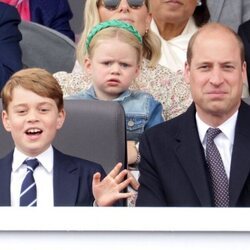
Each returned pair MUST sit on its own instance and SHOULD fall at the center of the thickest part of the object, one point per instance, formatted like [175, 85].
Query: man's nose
[216, 76]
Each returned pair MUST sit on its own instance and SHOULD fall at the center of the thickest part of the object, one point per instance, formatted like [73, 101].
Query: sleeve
[155, 113]
[10, 36]
[150, 192]
[72, 83]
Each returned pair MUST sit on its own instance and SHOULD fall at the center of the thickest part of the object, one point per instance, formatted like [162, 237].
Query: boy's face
[32, 120]
[113, 67]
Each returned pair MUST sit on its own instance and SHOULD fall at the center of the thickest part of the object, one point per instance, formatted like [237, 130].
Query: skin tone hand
[134, 183]
[109, 190]
[132, 152]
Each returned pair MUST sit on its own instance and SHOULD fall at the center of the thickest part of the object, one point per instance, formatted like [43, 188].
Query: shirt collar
[46, 159]
[124, 95]
[227, 128]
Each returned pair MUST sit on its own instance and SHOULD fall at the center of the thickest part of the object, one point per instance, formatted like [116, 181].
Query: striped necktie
[28, 188]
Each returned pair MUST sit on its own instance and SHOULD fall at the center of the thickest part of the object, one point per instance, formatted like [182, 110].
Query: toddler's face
[32, 120]
[113, 67]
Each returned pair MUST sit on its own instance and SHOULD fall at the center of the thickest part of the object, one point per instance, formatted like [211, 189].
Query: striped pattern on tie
[28, 188]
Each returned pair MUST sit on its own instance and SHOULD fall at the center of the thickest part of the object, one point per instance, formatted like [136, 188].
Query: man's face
[216, 74]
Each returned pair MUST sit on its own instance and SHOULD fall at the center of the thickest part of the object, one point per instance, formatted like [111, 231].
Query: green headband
[112, 23]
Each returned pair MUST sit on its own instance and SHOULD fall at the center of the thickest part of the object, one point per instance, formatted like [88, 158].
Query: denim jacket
[141, 109]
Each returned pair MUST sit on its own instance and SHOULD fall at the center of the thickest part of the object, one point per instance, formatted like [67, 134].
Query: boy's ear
[61, 118]
[87, 65]
[5, 120]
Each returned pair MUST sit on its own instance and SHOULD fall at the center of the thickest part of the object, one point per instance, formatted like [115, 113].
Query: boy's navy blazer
[173, 167]
[72, 180]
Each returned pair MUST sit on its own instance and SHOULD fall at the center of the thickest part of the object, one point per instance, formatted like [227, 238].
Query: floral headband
[112, 23]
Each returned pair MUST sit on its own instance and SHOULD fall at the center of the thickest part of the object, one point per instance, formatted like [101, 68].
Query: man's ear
[244, 71]
[5, 120]
[187, 73]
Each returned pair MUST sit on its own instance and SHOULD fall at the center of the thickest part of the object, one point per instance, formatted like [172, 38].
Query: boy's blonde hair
[119, 34]
[151, 42]
[36, 80]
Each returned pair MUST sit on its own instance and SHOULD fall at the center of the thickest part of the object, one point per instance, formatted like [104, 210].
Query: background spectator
[54, 14]
[10, 51]
[174, 23]
[229, 12]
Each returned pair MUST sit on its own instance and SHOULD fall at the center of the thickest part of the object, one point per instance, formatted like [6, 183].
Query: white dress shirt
[224, 141]
[43, 176]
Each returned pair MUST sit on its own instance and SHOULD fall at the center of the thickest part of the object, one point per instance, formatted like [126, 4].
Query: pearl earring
[199, 3]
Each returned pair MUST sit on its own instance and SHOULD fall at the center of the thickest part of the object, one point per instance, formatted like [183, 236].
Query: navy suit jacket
[72, 180]
[173, 169]
[54, 14]
[244, 33]
[10, 36]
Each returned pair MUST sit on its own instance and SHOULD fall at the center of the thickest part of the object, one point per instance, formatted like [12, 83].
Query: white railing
[124, 228]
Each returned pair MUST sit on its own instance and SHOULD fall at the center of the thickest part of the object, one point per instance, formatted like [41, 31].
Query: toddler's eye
[124, 65]
[107, 63]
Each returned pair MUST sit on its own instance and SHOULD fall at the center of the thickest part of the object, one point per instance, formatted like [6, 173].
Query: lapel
[191, 155]
[5, 175]
[66, 180]
[240, 163]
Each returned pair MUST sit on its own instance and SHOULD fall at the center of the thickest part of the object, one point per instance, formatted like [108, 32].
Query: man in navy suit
[10, 51]
[33, 112]
[173, 167]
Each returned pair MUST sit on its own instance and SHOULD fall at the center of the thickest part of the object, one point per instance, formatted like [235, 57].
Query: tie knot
[32, 164]
[212, 133]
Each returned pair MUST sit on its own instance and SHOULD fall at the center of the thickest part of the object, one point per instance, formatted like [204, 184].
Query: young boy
[33, 112]
[113, 59]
